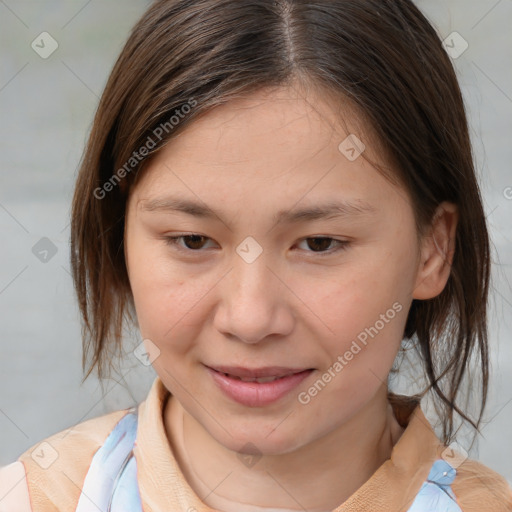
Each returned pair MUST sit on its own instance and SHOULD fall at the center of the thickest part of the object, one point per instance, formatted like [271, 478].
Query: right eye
[193, 242]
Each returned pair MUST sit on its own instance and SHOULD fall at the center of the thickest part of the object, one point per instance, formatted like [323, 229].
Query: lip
[256, 394]
[256, 373]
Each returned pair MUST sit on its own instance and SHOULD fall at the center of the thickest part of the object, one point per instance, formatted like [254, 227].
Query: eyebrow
[328, 210]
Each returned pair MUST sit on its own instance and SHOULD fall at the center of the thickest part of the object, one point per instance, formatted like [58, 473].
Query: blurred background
[54, 62]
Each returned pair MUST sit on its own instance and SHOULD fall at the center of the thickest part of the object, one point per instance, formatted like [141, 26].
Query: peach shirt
[163, 487]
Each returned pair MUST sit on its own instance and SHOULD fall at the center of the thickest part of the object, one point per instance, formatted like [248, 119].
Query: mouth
[261, 375]
[257, 387]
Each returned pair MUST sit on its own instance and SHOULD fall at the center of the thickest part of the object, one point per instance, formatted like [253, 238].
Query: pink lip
[255, 373]
[256, 394]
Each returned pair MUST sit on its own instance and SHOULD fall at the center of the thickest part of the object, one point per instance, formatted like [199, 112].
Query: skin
[290, 307]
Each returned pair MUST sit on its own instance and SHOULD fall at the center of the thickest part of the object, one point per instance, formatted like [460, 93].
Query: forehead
[279, 144]
[284, 118]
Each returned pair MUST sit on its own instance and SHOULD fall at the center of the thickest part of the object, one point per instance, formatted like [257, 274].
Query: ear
[437, 250]
[124, 240]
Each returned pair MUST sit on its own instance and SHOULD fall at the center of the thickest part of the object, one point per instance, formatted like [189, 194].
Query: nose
[255, 303]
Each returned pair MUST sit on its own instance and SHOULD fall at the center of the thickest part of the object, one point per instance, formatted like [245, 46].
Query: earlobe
[437, 251]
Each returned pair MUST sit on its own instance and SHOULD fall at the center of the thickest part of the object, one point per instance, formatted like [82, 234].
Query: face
[251, 283]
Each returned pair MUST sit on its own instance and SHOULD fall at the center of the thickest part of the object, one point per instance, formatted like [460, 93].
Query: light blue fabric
[126, 494]
[112, 475]
[436, 495]
[111, 482]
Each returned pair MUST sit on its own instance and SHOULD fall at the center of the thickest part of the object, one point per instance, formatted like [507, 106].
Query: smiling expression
[287, 250]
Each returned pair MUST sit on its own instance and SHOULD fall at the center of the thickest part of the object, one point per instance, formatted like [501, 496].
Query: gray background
[47, 106]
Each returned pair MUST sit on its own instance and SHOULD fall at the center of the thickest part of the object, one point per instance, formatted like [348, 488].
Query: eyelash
[172, 241]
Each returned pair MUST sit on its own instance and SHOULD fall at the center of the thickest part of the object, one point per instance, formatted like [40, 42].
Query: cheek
[162, 294]
[350, 299]
[362, 311]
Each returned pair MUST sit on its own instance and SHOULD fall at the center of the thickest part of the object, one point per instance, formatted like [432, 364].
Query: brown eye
[319, 244]
[191, 242]
[323, 245]
[194, 241]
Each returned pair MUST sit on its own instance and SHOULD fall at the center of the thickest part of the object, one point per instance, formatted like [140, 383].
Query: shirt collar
[393, 486]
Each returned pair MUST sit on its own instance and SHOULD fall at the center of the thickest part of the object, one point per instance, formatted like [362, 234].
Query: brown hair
[383, 56]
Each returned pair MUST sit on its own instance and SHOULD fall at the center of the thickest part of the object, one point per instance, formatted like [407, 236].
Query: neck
[316, 477]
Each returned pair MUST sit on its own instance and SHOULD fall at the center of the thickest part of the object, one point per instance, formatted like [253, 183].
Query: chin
[258, 441]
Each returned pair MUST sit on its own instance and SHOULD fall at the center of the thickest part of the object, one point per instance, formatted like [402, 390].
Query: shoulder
[55, 467]
[478, 488]
[14, 496]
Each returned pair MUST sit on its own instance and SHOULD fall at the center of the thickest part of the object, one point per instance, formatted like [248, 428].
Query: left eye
[319, 244]
[194, 242]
